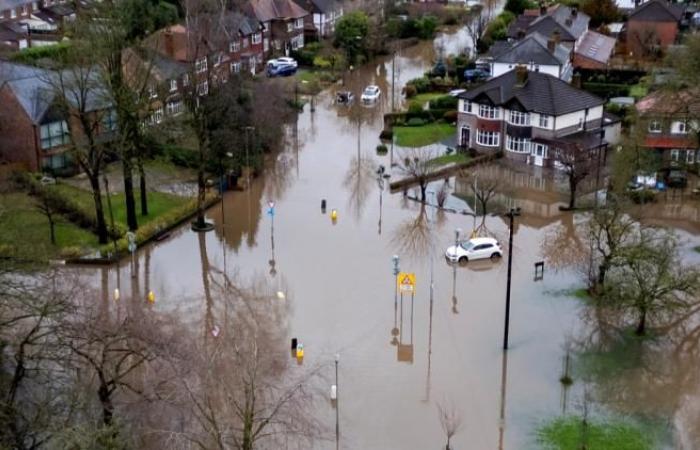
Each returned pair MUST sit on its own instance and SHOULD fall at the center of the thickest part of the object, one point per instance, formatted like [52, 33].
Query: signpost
[131, 238]
[406, 282]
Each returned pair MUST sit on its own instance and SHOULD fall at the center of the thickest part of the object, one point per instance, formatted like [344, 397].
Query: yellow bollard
[300, 351]
[116, 295]
[151, 297]
[334, 215]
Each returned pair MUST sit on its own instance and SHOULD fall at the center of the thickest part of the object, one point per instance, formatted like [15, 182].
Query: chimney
[168, 43]
[551, 44]
[556, 37]
[574, 12]
[520, 76]
[576, 81]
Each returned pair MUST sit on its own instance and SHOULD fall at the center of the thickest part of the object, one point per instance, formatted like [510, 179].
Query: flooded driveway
[400, 356]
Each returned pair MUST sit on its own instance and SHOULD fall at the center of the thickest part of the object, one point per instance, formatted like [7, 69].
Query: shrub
[415, 122]
[450, 116]
[33, 54]
[444, 102]
[382, 149]
[415, 107]
[322, 63]
[410, 91]
[181, 156]
[643, 196]
[420, 84]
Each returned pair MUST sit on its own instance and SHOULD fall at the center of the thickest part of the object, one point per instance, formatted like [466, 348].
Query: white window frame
[519, 118]
[488, 138]
[679, 127]
[675, 155]
[535, 146]
[235, 67]
[201, 65]
[186, 80]
[234, 46]
[173, 85]
[152, 92]
[256, 38]
[290, 27]
[517, 145]
[544, 121]
[466, 106]
[203, 88]
[488, 112]
[158, 115]
[174, 108]
[49, 137]
[655, 126]
[13, 13]
[109, 121]
[299, 23]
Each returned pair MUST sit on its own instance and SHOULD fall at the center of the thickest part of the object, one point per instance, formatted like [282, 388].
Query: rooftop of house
[658, 11]
[267, 10]
[36, 89]
[323, 6]
[11, 4]
[12, 32]
[596, 46]
[534, 92]
[667, 103]
[534, 48]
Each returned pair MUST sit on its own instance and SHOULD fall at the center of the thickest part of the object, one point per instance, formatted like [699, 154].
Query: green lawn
[158, 203]
[456, 158]
[423, 135]
[638, 91]
[697, 249]
[426, 97]
[568, 434]
[25, 231]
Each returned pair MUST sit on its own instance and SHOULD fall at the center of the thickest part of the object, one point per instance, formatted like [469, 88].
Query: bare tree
[450, 420]
[46, 207]
[575, 162]
[417, 165]
[415, 236]
[485, 183]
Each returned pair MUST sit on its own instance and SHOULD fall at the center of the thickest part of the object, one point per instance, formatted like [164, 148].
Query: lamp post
[337, 413]
[511, 214]
[458, 232]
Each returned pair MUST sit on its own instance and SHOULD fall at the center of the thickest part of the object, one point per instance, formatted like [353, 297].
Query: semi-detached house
[528, 116]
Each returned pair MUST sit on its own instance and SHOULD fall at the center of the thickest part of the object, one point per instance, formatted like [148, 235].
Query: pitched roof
[596, 46]
[321, 6]
[570, 22]
[520, 24]
[534, 48]
[267, 10]
[11, 4]
[658, 11]
[669, 103]
[541, 93]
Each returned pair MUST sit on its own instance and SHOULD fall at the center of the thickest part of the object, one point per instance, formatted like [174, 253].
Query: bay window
[518, 145]
[519, 118]
[544, 121]
[488, 138]
[488, 112]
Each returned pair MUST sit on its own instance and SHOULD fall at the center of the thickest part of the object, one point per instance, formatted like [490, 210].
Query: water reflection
[414, 237]
[404, 347]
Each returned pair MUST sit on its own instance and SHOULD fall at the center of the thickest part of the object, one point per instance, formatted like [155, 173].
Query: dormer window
[655, 126]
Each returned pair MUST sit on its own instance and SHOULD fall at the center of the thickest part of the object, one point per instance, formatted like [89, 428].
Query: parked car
[280, 70]
[676, 178]
[475, 248]
[472, 75]
[284, 60]
[439, 69]
[371, 94]
[456, 92]
[344, 97]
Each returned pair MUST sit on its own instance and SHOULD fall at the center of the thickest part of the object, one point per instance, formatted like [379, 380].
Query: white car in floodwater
[371, 94]
[475, 248]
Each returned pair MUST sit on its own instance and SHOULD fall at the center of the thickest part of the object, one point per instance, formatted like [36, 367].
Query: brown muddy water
[401, 357]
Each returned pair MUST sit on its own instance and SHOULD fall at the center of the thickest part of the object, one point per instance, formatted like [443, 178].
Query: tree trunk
[127, 168]
[142, 186]
[201, 197]
[52, 230]
[107, 406]
[641, 326]
[572, 192]
[423, 187]
[102, 235]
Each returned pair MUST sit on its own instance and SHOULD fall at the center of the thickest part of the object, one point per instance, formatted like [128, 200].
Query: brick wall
[18, 140]
[640, 34]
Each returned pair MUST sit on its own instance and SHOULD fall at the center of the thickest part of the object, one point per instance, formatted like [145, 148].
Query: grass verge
[569, 433]
[422, 135]
[454, 158]
[425, 97]
[25, 231]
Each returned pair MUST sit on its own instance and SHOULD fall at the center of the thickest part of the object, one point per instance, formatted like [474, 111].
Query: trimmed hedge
[607, 90]
[444, 102]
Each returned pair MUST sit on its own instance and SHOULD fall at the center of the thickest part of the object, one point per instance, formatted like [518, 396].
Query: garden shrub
[415, 122]
[415, 107]
[382, 149]
[450, 116]
[410, 91]
[420, 84]
[444, 102]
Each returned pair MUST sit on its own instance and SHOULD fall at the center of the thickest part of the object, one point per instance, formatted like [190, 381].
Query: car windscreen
[467, 245]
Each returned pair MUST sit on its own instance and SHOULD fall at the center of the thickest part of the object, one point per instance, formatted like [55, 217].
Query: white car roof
[483, 240]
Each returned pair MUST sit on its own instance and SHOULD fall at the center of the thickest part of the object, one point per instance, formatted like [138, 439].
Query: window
[234, 46]
[299, 24]
[690, 156]
[24, 10]
[200, 65]
[580, 123]
[246, 42]
[217, 60]
[266, 44]
[158, 115]
[13, 13]
[185, 80]
[297, 42]
[60, 161]
[488, 138]
[203, 88]
[235, 67]
[488, 112]
[655, 126]
[257, 38]
[544, 121]
[679, 127]
[290, 27]
[173, 85]
[152, 91]
[539, 149]
[35, 6]
[174, 108]
[675, 155]
[109, 121]
[518, 145]
[519, 118]
[466, 106]
[54, 134]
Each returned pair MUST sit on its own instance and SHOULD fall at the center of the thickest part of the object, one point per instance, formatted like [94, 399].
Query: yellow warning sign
[406, 282]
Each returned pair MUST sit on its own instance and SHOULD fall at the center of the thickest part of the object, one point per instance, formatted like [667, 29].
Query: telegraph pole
[511, 214]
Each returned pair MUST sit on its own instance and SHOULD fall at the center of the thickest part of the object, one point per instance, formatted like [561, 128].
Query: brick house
[325, 15]
[17, 10]
[35, 131]
[669, 126]
[528, 116]
[652, 27]
[283, 21]
[535, 52]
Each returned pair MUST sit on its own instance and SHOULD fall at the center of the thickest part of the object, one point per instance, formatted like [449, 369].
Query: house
[594, 51]
[535, 52]
[669, 126]
[36, 131]
[529, 116]
[283, 21]
[568, 22]
[325, 15]
[13, 36]
[652, 27]
[17, 10]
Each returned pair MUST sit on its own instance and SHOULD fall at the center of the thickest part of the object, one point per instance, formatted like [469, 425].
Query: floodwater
[401, 356]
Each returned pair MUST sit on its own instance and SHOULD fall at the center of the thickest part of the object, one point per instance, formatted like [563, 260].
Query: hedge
[607, 90]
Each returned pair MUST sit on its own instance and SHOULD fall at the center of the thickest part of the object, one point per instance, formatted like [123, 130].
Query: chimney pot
[543, 9]
[551, 44]
[520, 76]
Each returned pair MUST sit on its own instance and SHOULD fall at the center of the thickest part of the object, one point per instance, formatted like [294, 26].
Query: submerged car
[284, 60]
[475, 248]
[280, 70]
[472, 75]
[371, 93]
[344, 97]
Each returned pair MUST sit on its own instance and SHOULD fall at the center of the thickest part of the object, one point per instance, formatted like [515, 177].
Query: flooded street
[401, 356]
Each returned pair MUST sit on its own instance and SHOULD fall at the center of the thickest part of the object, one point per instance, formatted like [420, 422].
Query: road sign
[406, 282]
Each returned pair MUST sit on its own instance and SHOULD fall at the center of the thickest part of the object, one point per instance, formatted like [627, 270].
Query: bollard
[151, 297]
[116, 295]
[323, 206]
[334, 215]
[300, 351]
[294, 343]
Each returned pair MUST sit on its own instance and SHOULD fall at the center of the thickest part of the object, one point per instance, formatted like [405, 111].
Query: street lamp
[337, 414]
[511, 214]
[458, 232]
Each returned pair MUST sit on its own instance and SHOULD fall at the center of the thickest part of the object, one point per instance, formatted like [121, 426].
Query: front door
[464, 137]
[540, 154]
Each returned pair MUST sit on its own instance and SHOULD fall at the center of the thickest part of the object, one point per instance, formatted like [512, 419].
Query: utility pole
[393, 81]
[511, 214]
